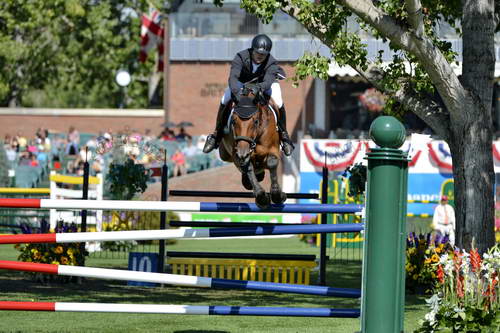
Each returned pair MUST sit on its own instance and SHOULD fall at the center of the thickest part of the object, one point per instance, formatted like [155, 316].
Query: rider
[249, 64]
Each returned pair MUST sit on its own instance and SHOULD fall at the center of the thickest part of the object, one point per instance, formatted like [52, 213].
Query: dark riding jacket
[241, 70]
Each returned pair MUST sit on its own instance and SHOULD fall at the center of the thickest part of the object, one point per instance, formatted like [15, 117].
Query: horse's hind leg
[277, 196]
[262, 199]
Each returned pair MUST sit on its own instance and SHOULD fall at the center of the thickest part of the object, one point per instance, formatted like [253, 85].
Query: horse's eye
[256, 122]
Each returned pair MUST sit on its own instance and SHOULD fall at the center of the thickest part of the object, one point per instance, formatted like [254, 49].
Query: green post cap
[387, 132]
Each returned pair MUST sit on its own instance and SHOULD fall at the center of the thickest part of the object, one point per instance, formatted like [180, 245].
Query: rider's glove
[255, 89]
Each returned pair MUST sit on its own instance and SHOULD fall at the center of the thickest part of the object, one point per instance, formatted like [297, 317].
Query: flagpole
[166, 68]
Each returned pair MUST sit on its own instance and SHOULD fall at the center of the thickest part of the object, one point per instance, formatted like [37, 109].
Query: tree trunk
[471, 147]
[471, 126]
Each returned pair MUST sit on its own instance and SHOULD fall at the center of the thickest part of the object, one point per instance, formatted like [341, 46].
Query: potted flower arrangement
[422, 253]
[467, 297]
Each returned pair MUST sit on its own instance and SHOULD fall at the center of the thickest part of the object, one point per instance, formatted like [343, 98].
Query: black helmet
[262, 44]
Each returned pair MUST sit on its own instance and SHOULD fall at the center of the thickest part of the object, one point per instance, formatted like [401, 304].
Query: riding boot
[213, 140]
[286, 143]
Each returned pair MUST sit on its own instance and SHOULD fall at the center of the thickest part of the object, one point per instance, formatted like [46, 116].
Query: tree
[65, 53]
[457, 109]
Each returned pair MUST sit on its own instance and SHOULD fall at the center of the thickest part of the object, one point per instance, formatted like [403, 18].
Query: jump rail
[178, 233]
[180, 309]
[215, 224]
[179, 280]
[185, 206]
[228, 194]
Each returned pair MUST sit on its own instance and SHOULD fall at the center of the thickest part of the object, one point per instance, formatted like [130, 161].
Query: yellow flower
[427, 261]
[55, 262]
[64, 260]
[70, 251]
[59, 249]
[415, 276]
[435, 258]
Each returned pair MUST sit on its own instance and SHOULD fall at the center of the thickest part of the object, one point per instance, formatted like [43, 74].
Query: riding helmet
[262, 44]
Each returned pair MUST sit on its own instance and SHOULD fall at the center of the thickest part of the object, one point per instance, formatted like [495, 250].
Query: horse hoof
[278, 197]
[263, 200]
[246, 182]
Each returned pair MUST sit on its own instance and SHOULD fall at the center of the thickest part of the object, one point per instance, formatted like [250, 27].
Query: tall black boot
[286, 143]
[214, 139]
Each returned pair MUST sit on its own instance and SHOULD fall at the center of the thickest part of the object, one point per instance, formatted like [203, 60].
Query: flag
[151, 36]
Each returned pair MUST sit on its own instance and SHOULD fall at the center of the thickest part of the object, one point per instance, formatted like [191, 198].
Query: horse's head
[247, 121]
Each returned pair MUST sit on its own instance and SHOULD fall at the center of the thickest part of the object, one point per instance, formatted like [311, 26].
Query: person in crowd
[147, 135]
[179, 163]
[190, 150]
[10, 151]
[443, 221]
[257, 63]
[167, 135]
[182, 135]
[73, 141]
[21, 140]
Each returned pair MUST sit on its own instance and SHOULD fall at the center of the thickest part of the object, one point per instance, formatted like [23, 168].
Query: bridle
[251, 141]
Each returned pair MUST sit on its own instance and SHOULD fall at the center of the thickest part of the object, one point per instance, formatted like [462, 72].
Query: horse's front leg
[262, 199]
[277, 196]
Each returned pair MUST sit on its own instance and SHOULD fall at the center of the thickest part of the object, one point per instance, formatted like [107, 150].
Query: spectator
[167, 135]
[190, 150]
[179, 163]
[183, 135]
[41, 156]
[73, 141]
[32, 160]
[147, 136]
[443, 221]
[21, 140]
[10, 151]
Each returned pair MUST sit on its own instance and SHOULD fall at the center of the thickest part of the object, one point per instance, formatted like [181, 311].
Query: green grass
[16, 286]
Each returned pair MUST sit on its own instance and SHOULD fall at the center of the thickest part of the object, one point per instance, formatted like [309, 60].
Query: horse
[253, 144]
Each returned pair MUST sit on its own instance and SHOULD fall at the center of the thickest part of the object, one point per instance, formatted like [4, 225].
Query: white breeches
[274, 91]
[446, 230]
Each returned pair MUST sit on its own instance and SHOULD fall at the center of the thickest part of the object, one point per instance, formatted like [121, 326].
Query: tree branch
[426, 109]
[431, 58]
[415, 16]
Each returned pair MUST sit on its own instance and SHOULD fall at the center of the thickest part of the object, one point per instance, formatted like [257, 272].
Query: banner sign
[430, 165]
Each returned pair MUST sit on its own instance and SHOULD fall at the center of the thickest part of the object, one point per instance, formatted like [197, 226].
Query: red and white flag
[152, 36]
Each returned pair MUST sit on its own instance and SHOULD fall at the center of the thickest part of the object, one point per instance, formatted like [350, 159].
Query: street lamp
[123, 80]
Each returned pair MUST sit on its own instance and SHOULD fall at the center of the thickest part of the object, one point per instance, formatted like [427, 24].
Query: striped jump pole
[178, 233]
[183, 206]
[219, 310]
[176, 279]
[229, 194]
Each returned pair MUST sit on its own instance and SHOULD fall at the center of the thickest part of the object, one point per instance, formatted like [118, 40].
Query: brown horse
[253, 145]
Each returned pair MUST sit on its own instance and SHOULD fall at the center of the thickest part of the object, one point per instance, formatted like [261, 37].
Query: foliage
[4, 167]
[58, 53]
[422, 253]
[64, 254]
[357, 179]
[125, 180]
[468, 293]
[118, 221]
[133, 220]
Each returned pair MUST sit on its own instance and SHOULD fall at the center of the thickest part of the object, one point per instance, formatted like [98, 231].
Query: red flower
[440, 274]
[475, 260]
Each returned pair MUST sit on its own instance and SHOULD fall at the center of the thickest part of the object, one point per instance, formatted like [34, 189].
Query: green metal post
[385, 230]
